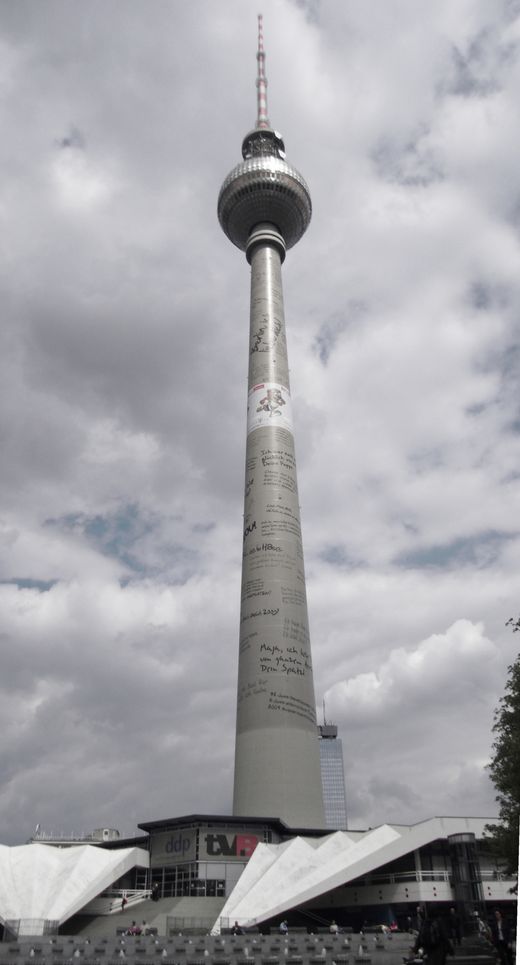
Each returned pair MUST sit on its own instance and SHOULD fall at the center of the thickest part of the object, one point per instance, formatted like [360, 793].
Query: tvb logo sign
[231, 845]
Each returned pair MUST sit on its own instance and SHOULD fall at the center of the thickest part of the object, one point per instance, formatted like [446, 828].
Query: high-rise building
[332, 777]
[264, 207]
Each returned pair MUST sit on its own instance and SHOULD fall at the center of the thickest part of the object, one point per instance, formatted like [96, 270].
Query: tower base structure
[266, 757]
[205, 871]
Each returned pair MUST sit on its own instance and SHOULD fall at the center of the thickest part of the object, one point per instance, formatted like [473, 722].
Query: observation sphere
[264, 189]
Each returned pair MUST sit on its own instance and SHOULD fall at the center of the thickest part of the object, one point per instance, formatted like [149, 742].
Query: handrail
[305, 912]
[426, 876]
[126, 892]
[392, 879]
[114, 897]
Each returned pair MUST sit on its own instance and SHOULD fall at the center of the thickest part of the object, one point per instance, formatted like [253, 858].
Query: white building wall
[416, 892]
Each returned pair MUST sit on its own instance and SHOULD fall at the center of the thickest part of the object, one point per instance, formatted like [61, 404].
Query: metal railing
[114, 898]
[403, 877]
[496, 876]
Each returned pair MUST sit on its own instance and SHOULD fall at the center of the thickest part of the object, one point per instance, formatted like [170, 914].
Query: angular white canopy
[38, 881]
[279, 877]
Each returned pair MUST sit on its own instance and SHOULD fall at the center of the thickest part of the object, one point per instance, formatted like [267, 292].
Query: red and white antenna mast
[261, 80]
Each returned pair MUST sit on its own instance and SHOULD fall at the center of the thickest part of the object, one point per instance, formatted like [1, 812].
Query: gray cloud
[123, 353]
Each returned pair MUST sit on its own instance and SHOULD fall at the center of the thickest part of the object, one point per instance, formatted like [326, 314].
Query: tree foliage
[504, 768]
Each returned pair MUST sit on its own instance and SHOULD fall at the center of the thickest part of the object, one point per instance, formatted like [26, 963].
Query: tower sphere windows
[264, 189]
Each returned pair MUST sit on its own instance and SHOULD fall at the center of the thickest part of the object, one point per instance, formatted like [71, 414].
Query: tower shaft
[277, 765]
[264, 208]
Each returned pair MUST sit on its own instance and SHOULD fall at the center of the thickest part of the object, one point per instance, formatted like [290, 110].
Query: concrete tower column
[264, 208]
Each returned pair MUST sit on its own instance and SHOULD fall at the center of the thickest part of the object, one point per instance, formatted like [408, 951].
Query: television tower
[264, 207]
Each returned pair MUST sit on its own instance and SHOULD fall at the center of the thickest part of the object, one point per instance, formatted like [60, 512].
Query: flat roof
[139, 841]
[229, 820]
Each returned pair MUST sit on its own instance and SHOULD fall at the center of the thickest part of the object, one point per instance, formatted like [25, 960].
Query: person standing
[433, 939]
[501, 938]
[455, 930]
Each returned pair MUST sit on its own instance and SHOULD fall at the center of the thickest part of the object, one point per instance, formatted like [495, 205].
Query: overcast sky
[123, 374]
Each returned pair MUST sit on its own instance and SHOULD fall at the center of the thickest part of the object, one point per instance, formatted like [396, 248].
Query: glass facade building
[203, 856]
[332, 777]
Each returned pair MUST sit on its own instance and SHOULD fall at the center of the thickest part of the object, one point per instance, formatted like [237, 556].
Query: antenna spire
[261, 80]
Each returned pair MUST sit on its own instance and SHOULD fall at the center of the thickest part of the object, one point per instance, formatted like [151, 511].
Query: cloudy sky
[123, 364]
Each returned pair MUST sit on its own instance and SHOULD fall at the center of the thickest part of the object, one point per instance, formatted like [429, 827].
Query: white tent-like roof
[279, 877]
[41, 882]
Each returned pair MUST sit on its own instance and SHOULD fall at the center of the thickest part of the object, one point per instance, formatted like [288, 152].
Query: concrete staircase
[155, 913]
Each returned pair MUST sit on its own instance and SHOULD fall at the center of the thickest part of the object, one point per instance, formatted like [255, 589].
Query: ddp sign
[174, 847]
